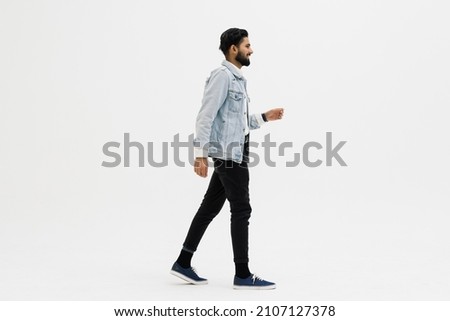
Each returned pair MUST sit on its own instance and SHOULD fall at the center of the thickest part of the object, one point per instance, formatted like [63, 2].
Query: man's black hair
[232, 36]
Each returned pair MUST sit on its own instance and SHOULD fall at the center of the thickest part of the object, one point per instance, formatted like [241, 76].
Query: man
[222, 132]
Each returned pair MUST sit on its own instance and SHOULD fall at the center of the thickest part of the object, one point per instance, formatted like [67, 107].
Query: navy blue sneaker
[252, 283]
[189, 274]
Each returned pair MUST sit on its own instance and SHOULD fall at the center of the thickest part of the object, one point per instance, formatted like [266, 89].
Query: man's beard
[242, 59]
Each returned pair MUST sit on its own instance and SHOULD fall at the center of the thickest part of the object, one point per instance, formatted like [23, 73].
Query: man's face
[244, 52]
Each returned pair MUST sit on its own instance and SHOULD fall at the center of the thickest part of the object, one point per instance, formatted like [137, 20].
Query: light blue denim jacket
[220, 125]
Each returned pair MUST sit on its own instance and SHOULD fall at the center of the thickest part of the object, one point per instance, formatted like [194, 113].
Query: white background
[77, 74]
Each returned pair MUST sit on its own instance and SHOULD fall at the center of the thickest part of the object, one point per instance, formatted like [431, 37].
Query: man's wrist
[264, 117]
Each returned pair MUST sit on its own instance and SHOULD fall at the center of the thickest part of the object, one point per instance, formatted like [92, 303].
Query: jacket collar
[234, 70]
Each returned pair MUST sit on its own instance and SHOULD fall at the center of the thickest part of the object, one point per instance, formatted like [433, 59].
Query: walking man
[222, 133]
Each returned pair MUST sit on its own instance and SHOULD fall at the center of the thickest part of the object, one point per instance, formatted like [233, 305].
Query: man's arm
[216, 91]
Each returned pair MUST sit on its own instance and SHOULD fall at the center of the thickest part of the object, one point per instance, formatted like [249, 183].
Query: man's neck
[234, 62]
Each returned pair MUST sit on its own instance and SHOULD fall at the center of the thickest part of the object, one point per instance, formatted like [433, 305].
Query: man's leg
[235, 180]
[211, 205]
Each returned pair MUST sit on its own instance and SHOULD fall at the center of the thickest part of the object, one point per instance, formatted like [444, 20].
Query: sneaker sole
[254, 287]
[185, 278]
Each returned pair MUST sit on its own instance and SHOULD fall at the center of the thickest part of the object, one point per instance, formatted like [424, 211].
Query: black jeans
[230, 181]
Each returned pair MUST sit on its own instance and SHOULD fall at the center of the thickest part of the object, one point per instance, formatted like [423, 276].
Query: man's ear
[234, 49]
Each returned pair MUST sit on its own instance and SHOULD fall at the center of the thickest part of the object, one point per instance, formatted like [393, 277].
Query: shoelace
[256, 278]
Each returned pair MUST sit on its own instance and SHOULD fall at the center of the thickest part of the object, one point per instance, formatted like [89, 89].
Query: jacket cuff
[259, 119]
[200, 152]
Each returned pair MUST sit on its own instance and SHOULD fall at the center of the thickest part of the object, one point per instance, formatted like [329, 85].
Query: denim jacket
[220, 125]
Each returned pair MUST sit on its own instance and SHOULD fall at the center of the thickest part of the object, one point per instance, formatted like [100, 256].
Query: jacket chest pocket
[236, 99]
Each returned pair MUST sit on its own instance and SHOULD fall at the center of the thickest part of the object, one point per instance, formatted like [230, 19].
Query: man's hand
[274, 114]
[201, 166]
